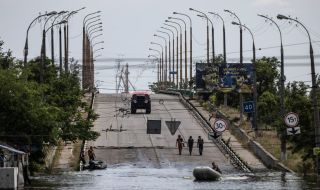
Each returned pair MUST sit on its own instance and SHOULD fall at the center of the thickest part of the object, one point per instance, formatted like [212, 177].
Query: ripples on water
[127, 177]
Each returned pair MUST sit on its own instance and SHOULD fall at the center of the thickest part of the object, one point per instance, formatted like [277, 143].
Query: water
[131, 177]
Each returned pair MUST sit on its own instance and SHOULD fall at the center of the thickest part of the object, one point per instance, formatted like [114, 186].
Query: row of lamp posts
[173, 26]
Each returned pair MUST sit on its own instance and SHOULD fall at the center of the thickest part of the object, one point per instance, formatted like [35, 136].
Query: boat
[205, 173]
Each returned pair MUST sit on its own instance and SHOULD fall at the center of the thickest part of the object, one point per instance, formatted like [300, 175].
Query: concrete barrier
[9, 178]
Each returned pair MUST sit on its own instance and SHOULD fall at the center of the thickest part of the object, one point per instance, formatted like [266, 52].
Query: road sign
[291, 119]
[173, 126]
[153, 126]
[213, 135]
[316, 151]
[293, 130]
[248, 107]
[220, 125]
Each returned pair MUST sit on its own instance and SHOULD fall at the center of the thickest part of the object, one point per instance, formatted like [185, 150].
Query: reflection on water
[128, 177]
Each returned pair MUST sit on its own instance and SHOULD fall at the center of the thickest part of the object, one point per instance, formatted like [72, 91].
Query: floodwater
[132, 177]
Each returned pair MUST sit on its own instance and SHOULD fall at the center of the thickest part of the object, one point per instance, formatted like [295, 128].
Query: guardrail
[223, 147]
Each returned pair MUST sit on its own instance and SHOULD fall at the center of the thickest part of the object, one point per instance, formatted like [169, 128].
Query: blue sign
[173, 72]
[248, 107]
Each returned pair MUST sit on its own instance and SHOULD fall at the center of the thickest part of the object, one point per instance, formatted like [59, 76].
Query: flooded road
[131, 177]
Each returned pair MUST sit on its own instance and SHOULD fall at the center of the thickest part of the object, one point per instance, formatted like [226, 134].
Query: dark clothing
[216, 168]
[190, 145]
[91, 154]
[179, 143]
[200, 146]
[82, 157]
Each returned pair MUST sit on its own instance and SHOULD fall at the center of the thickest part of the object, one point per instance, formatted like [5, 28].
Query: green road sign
[316, 151]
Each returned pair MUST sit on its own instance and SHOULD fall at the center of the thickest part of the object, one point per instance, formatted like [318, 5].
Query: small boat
[95, 165]
[205, 173]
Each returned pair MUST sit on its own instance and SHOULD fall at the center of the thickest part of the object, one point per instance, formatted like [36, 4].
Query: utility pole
[126, 84]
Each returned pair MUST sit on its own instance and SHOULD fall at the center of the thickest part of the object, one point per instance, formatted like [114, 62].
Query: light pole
[92, 67]
[52, 35]
[185, 48]
[255, 95]
[26, 47]
[161, 64]
[190, 71]
[164, 71]
[180, 50]
[212, 37]
[314, 91]
[101, 42]
[241, 61]
[282, 80]
[161, 60]
[157, 59]
[224, 37]
[208, 48]
[177, 74]
[172, 54]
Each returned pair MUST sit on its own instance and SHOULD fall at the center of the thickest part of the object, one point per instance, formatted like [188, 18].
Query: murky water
[130, 177]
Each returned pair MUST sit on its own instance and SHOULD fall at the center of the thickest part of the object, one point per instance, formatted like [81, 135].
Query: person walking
[190, 144]
[200, 145]
[91, 154]
[179, 144]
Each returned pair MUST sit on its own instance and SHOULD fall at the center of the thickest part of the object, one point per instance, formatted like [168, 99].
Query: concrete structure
[9, 178]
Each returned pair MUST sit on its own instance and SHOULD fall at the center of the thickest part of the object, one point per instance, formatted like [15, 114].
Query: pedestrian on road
[200, 145]
[91, 154]
[179, 144]
[215, 167]
[190, 144]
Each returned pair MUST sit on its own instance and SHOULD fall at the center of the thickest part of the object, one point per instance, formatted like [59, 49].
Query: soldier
[200, 145]
[190, 144]
[179, 144]
[91, 154]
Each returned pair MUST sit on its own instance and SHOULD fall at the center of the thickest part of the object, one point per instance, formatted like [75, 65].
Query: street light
[94, 31]
[314, 90]
[157, 59]
[101, 42]
[161, 60]
[282, 80]
[191, 9]
[93, 26]
[166, 70]
[212, 33]
[224, 36]
[180, 50]
[190, 71]
[161, 64]
[255, 113]
[177, 73]
[26, 48]
[170, 71]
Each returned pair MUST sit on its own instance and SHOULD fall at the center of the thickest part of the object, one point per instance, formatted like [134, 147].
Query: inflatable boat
[204, 173]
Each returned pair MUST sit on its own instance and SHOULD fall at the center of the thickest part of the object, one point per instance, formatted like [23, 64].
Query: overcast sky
[129, 26]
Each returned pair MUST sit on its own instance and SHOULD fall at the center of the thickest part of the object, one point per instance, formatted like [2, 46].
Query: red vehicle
[140, 100]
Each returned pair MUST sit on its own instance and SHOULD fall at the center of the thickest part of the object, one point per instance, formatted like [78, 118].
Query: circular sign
[220, 125]
[291, 119]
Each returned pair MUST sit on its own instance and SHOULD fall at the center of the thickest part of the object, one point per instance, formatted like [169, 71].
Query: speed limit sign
[291, 119]
[220, 125]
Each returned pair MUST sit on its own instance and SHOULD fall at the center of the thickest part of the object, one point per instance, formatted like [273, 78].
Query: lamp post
[161, 64]
[169, 54]
[208, 48]
[157, 59]
[190, 71]
[92, 67]
[224, 36]
[314, 91]
[26, 47]
[101, 42]
[241, 61]
[255, 114]
[180, 50]
[212, 37]
[161, 60]
[177, 74]
[282, 80]
[52, 35]
[185, 48]
[164, 71]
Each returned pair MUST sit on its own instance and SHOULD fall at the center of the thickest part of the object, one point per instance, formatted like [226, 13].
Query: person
[179, 143]
[200, 145]
[190, 144]
[82, 157]
[91, 154]
[215, 167]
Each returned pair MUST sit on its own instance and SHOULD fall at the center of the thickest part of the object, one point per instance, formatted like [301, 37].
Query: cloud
[273, 3]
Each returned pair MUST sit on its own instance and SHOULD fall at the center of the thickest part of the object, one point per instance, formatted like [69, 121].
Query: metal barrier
[223, 147]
